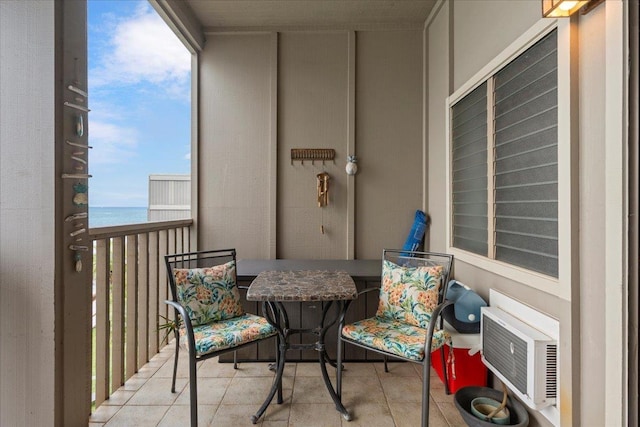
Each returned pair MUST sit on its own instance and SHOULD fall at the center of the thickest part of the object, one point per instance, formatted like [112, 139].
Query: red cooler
[464, 367]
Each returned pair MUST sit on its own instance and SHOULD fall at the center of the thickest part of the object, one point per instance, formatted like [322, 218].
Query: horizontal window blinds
[469, 172]
[526, 159]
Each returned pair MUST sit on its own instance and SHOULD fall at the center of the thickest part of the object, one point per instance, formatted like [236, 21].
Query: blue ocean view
[108, 216]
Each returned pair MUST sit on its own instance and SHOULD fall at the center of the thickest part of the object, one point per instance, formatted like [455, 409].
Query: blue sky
[139, 95]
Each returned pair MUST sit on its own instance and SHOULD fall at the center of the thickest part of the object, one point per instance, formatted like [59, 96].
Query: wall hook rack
[312, 154]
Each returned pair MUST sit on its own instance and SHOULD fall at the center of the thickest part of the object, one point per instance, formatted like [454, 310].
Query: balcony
[133, 363]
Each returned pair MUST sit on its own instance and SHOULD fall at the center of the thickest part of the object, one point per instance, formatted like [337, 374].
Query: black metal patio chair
[209, 311]
[407, 324]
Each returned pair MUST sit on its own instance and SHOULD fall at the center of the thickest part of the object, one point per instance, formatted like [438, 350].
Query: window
[503, 162]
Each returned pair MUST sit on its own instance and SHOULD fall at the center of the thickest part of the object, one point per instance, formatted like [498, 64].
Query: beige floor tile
[403, 369]
[210, 391]
[157, 391]
[139, 416]
[145, 372]
[235, 415]
[230, 397]
[134, 383]
[213, 368]
[252, 390]
[410, 414]
[119, 397]
[451, 414]
[180, 416]
[262, 370]
[438, 392]
[310, 390]
[166, 370]
[314, 415]
[358, 370]
[103, 413]
[363, 389]
[401, 389]
[310, 369]
[96, 424]
[369, 414]
[279, 412]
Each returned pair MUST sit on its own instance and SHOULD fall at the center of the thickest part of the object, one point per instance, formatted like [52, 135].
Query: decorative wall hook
[352, 165]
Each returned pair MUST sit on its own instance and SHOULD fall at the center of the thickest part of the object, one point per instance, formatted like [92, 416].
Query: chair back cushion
[208, 294]
[409, 294]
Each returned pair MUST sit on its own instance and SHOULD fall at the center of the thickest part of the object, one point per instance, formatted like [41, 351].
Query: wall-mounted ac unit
[521, 356]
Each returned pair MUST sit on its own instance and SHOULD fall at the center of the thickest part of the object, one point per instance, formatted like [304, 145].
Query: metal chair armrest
[432, 324]
[187, 324]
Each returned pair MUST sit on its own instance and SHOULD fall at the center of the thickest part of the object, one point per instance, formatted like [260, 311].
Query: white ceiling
[216, 15]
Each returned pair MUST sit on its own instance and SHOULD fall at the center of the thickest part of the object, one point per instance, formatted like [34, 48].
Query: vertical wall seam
[351, 140]
[273, 149]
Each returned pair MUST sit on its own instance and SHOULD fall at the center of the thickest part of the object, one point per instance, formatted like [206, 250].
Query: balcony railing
[130, 286]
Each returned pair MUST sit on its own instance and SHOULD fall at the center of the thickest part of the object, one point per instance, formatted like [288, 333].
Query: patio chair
[407, 324]
[206, 299]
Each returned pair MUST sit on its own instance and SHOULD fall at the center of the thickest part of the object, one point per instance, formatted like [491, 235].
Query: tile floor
[228, 397]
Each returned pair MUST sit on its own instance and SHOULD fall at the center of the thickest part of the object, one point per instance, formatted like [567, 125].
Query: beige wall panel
[438, 90]
[485, 28]
[389, 184]
[312, 113]
[592, 211]
[234, 144]
[27, 207]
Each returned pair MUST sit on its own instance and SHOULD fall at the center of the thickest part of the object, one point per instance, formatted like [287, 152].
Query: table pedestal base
[276, 315]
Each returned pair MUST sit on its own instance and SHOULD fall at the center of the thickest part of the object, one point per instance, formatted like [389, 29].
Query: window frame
[567, 170]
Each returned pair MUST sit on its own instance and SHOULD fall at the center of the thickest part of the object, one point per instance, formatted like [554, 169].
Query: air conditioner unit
[522, 357]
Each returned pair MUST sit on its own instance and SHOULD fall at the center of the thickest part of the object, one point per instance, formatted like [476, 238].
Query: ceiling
[229, 15]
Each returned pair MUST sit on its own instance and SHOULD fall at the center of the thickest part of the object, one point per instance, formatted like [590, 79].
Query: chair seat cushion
[394, 337]
[229, 333]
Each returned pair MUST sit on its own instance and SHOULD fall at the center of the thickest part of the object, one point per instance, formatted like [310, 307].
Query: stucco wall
[27, 135]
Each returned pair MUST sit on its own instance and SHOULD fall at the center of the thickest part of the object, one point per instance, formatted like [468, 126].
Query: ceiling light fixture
[561, 8]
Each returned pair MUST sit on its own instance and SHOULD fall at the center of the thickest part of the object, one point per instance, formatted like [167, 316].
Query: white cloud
[142, 48]
[111, 143]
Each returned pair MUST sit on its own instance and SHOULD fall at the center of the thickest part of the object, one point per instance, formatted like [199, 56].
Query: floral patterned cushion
[394, 337]
[409, 294]
[208, 294]
[229, 333]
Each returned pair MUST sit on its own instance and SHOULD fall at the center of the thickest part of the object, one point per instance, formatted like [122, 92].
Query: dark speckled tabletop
[303, 285]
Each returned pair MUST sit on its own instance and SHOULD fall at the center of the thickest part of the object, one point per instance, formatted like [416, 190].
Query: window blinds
[526, 159]
[469, 171]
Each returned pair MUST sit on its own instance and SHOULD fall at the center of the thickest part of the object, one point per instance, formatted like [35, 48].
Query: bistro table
[273, 288]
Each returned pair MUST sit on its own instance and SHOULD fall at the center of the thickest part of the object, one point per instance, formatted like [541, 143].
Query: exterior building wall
[169, 197]
[27, 213]
[476, 32]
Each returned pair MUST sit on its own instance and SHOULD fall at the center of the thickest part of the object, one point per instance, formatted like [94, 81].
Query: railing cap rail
[98, 233]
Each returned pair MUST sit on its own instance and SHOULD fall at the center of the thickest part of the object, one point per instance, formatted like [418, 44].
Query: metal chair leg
[193, 392]
[175, 363]
[445, 375]
[426, 380]
[235, 360]
[386, 368]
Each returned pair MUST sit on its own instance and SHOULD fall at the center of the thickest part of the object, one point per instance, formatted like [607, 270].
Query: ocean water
[107, 216]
